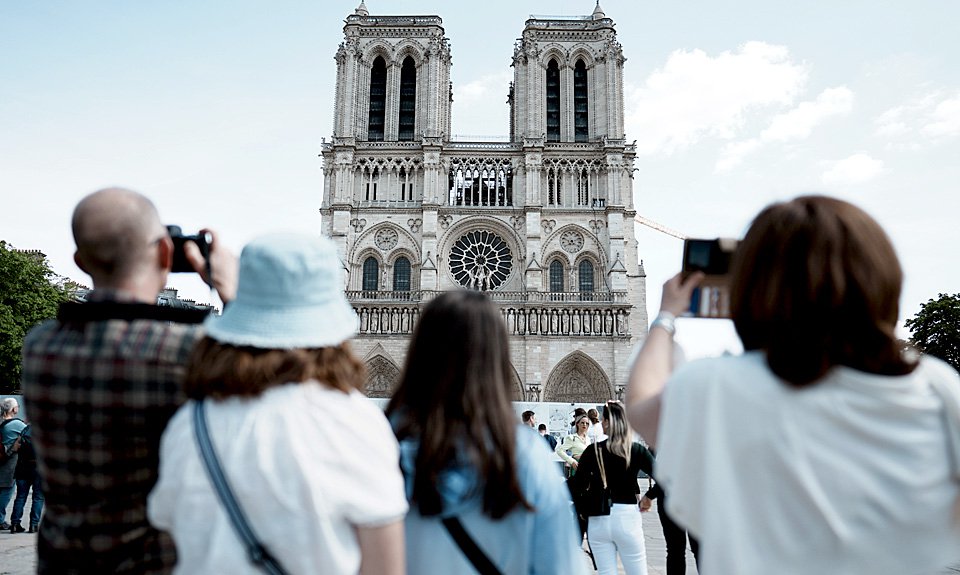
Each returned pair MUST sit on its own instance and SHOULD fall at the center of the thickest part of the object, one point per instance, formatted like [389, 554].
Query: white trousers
[621, 533]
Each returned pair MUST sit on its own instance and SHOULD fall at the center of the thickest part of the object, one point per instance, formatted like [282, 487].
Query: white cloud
[856, 169]
[694, 95]
[945, 119]
[932, 117]
[794, 124]
[489, 86]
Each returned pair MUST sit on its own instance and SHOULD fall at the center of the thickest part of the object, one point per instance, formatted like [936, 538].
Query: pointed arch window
[408, 99]
[580, 103]
[401, 274]
[553, 101]
[371, 274]
[378, 100]
[585, 274]
[556, 276]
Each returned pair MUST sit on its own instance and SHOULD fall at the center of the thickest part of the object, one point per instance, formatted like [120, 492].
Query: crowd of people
[242, 443]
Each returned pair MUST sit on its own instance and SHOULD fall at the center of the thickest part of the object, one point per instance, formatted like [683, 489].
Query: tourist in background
[607, 475]
[595, 433]
[473, 473]
[573, 444]
[551, 440]
[824, 448]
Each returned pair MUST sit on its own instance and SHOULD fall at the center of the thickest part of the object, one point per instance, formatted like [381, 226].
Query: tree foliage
[29, 293]
[936, 328]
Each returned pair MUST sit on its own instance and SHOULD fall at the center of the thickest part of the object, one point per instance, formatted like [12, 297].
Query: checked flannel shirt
[99, 395]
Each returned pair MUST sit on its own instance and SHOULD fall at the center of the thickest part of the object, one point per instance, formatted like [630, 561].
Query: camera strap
[72, 312]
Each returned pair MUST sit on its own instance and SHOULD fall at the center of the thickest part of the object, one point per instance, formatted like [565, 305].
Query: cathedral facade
[542, 221]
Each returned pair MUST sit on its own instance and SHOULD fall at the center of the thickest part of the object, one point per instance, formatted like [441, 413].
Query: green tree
[29, 293]
[936, 328]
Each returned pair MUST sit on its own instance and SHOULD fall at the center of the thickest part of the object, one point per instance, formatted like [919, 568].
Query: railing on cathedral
[581, 314]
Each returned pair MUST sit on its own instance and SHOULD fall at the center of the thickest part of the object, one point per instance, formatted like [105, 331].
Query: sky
[216, 110]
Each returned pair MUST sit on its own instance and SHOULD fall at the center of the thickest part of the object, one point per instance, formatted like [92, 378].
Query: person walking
[11, 427]
[484, 492]
[607, 475]
[274, 395]
[573, 444]
[28, 481]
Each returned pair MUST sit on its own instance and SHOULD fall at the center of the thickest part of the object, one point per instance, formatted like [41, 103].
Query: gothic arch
[378, 48]
[592, 247]
[382, 376]
[553, 51]
[408, 48]
[366, 243]
[517, 385]
[582, 52]
[577, 379]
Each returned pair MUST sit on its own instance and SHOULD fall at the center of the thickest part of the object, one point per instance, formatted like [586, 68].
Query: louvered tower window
[553, 101]
[408, 99]
[580, 104]
[378, 100]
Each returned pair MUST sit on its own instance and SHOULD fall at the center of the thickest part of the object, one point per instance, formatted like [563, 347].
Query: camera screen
[707, 256]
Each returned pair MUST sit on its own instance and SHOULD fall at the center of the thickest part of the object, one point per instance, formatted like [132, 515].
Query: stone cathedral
[541, 221]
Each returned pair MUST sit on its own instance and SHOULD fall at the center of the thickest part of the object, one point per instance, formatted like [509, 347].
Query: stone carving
[445, 221]
[533, 393]
[577, 379]
[382, 377]
[548, 225]
[386, 239]
[517, 222]
[597, 225]
[571, 241]
[414, 224]
[358, 224]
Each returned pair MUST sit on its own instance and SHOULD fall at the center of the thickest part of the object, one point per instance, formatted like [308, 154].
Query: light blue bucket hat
[289, 296]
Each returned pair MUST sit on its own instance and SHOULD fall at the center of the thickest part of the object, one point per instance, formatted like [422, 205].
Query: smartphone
[712, 257]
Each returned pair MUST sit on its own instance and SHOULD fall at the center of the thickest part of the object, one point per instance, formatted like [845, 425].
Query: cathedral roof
[362, 9]
[598, 12]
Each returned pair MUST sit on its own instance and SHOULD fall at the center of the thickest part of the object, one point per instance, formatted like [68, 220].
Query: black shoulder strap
[102, 311]
[259, 555]
[477, 557]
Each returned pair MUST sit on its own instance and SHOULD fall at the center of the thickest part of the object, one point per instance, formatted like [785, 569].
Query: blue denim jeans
[6, 493]
[23, 487]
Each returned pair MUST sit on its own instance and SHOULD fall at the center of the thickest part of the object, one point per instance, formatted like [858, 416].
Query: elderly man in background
[102, 381]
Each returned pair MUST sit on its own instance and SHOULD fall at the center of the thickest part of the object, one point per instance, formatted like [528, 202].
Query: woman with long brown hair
[278, 433]
[824, 448]
[484, 492]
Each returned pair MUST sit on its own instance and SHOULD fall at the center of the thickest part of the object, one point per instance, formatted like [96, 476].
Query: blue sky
[216, 110]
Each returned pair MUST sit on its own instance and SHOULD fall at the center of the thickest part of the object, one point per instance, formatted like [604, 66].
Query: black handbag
[593, 499]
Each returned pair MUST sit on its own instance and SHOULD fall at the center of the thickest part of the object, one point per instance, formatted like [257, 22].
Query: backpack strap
[258, 554]
[477, 557]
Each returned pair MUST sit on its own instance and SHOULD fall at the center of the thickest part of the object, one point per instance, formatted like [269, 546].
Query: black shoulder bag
[258, 554]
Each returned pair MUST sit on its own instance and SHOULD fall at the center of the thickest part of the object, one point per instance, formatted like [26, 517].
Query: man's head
[121, 242]
[542, 429]
[9, 408]
[529, 418]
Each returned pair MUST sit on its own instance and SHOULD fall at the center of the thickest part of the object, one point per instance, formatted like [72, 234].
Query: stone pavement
[18, 554]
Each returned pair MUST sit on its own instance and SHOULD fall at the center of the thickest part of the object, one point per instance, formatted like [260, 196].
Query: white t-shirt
[849, 476]
[307, 463]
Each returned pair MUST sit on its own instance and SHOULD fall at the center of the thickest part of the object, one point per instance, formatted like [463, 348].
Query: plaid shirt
[99, 395]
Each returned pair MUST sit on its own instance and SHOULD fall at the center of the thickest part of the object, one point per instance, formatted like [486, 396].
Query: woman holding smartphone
[824, 448]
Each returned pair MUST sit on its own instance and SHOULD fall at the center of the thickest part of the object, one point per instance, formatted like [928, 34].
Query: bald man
[100, 383]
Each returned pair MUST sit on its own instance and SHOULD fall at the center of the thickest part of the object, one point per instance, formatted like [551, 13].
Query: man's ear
[165, 254]
[77, 259]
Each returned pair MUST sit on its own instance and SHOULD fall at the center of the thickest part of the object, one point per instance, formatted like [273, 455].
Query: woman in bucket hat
[311, 463]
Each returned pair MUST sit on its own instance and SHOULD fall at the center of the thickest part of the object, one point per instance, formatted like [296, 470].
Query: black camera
[203, 241]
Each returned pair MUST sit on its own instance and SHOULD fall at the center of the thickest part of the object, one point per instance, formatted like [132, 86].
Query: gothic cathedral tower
[542, 222]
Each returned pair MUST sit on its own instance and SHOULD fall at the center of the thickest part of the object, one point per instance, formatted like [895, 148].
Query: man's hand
[645, 504]
[224, 266]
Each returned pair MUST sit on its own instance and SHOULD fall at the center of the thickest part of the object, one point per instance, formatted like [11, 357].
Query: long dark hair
[816, 283]
[454, 396]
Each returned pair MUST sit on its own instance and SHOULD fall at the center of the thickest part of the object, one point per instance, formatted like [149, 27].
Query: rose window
[386, 238]
[480, 260]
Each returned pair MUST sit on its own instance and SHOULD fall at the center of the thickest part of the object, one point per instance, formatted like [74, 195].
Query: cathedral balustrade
[601, 314]
[468, 146]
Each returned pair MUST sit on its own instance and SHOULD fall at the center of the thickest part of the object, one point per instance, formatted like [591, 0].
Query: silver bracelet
[665, 320]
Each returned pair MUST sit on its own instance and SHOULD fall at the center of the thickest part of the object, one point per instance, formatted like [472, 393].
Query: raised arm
[654, 362]
[562, 448]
